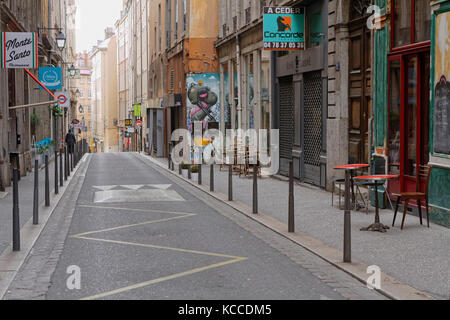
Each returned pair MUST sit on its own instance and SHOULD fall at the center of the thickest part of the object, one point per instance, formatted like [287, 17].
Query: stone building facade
[21, 127]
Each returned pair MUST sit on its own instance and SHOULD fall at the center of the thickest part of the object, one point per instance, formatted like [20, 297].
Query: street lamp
[61, 40]
[72, 71]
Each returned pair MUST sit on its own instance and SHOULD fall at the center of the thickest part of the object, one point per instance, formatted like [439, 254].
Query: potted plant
[185, 170]
[43, 148]
[194, 173]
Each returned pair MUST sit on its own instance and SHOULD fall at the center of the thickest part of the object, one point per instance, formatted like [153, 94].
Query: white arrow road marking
[104, 188]
[121, 196]
[160, 186]
[133, 187]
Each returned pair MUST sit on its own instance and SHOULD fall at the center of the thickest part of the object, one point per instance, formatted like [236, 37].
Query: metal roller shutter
[286, 118]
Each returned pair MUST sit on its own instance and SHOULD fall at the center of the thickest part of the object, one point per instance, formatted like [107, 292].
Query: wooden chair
[425, 172]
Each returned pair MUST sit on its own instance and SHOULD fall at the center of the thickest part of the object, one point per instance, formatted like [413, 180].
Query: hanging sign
[137, 110]
[64, 99]
[284, 28]
[51, 78]
[128, 122]
[19, 50]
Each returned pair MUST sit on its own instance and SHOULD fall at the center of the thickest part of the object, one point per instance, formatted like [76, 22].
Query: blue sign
[51, 78]
[284, 28]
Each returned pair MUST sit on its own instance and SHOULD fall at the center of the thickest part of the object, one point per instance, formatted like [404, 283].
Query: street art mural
[442, 85]
[203, 99]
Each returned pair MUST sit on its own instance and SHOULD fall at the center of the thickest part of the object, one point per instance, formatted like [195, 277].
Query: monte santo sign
[18, 50]
[284, 28]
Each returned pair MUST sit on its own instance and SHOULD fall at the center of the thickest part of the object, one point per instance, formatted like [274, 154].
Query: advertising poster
[284, 28]
[18, 50]
[442, 84]
[203, 103]
[51, 78]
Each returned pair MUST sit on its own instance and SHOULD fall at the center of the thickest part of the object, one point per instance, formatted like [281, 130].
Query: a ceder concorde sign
[284, 28]
[19, 50]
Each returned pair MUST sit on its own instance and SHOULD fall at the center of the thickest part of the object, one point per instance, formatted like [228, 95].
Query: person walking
[70, 141]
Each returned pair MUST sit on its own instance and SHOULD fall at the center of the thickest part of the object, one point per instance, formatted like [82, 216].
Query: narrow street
[135, 232]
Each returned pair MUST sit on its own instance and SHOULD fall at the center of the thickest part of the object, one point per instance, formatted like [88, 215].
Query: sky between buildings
[93, 17]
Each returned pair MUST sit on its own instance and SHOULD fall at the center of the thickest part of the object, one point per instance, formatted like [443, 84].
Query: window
[168, 22]
[172, 79]
[411, 23]
[159, 26]
[176, 20]
[184, 15]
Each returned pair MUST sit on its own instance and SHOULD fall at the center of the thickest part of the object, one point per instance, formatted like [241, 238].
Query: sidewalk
[416, 256]
[26, 194]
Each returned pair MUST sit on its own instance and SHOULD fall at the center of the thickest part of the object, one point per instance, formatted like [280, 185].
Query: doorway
[360, 101]
[409, 104]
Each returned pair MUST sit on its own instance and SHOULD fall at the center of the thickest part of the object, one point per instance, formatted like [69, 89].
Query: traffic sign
[139, 124]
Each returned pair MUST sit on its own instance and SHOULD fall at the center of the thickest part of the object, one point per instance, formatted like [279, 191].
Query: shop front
[403, 80]
[301, 100]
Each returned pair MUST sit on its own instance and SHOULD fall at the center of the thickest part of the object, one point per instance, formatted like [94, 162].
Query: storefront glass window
[423, 21]
[251, 91]
[402, 23]
[394, 117]
[226, 92]
[404, 11]
[411, 119]
[265, 90]
[235, 115]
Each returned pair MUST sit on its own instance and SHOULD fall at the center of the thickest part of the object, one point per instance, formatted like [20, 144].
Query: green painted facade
[440, 178]
[382, 45]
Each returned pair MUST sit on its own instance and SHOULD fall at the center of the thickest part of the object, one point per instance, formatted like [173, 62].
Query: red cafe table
[376, 181]
[347, 217]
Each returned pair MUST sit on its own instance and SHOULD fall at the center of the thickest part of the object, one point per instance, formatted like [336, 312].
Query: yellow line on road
[137, 210]
[161, 247]
[131, 225]
[175, 276]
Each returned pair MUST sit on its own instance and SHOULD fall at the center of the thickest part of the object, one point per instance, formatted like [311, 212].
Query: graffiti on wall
[203, 99]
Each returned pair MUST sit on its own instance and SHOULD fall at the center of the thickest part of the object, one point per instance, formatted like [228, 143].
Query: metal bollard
[75, 156]
[36, 193]
[180, 171]
[16, 221]
[255, 189]
[56, 173]
[47, 183]
[200, 178]
[65, 164]
[71, 160]
[189, 172]
[230, 183]
[347, 221]
[170, 161]
[211, 179]
[61, 176]
[291, 198]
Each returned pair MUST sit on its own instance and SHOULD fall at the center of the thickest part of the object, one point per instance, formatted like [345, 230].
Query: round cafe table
[350, 168]
[376, 181]
[347, 217]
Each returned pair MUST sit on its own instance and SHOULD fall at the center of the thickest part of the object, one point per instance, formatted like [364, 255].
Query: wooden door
[360, 102]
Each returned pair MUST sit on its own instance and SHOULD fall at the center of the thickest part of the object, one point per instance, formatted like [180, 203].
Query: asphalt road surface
[131, 231]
